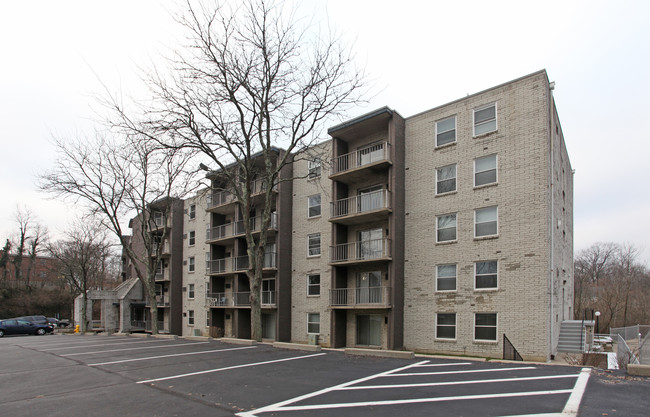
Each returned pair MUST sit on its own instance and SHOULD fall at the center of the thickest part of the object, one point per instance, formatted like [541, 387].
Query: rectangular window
[313, 244]
[485, 170]
[446, 179]
[192, 238]
[485, 326]
[190, 317]
[485, 275]
[313, 205]
[192, 211]
[485, 222]
[190, 291]
[485, 119]
[446, 326]
[446, 131]
[446, 228]
[190, 264]
[313, 284]
[314, 167]
[446, 277]
[313, 323]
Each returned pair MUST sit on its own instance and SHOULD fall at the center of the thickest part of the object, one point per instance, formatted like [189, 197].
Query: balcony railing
[164, 248]
[350, 297]
[223, 197]
[161, 276]
[364, 250]
[230, 299]
[359, 204]
[365, 156]
[237, 264]
[268, 298]
[237, 228]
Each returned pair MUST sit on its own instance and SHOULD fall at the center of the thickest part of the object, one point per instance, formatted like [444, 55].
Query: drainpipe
[552, 215]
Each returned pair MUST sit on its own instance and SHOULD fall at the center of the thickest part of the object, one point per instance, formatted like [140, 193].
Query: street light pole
[597, 314]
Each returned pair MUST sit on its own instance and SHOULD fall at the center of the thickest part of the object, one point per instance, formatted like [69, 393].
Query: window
[446, 179]
[446, 277]
[314, 167]
[313, 205]
[313, 244]
[313, 284]
[485, 274]
[485, 222]
[192, 211]
[192, 238]
[446, 228]
[446, 326]
[485, 170]
[190, 264]
[190, 291]
[446, 131]
[485, 119]
[313, 323]
[190, 317]
[485, 326]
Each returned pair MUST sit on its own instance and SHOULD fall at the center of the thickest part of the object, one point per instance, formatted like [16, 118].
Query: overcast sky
[419, 54]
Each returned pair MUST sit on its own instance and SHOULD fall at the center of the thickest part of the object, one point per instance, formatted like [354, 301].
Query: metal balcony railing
[360, 251]
[349, 297]
[230, 299]
[222, 197]
[364, 156]
[238, 264]
[237, 228]
[375, 200]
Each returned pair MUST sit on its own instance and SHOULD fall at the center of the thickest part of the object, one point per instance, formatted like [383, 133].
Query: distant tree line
[611, 279]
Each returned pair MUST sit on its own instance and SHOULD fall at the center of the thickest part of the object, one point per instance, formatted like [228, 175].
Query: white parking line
[172, 355]
[137, 348]
[464, 372]
[437, 365]
[476, 381]
[102, 344]
[147, 381]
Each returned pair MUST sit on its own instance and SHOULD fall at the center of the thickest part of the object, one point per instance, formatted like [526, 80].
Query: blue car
[20, 326]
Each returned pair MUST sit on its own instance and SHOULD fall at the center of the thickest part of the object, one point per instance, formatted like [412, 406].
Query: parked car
[20, 326]
[53, 322]
[63, 323]
[35, 319]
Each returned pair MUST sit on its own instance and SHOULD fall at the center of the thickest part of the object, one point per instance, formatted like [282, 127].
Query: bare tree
[591, 266]
[120, 179]
[5, 259]
[253, 78]
[82, 256]
[28, 241]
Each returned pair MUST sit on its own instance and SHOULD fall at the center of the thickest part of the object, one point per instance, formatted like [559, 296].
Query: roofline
[359, 119]
[542, 71]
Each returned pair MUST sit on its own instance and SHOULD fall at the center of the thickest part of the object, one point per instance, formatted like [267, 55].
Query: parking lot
[70, 375]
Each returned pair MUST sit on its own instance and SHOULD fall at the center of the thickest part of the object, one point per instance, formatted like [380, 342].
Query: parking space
[197, 377]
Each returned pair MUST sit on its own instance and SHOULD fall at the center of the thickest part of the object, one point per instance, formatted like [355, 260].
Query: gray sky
[419, 54]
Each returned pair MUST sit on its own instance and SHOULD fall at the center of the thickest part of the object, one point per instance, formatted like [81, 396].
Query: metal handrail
[364, 156]
[360, 251]
[360, 296]
[375, 200]
[237, 228]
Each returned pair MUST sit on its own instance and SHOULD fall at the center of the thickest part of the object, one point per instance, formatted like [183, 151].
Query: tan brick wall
[522, 247]
[302, 265]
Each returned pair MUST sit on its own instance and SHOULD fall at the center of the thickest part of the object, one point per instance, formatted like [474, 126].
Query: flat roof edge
[360, 119]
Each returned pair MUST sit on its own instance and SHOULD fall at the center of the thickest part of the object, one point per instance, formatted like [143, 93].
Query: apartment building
[444, 232]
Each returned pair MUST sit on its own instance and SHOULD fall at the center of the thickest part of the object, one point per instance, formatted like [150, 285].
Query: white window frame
[496, 287]
[311, 323]
[190, 291]
[455, 178]
[314, 167]
[496, 328]
[309, 245]
[310, 206]
[192, 212]
[449, 130]
[191, 238]
[496, 221]
[190, 317]
[455, 227]
[310, 285]
[191, 264]
[496, 170]
[496, 119]
[455, 278]
[455, 326]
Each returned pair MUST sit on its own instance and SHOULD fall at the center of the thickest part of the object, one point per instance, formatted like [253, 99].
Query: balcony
[356, 165]
[360, 252]
[237, 264]
[229, 231]
[162, 275]
[220, 201]
[164, 249]
[228, 299]
[362, 208]
[368, 297]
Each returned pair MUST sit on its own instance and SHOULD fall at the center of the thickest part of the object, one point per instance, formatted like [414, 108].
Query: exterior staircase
[573, 337]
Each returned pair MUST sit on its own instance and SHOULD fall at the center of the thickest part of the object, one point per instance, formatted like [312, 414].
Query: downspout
[551, 86]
